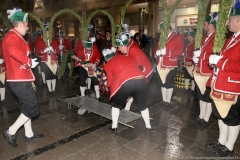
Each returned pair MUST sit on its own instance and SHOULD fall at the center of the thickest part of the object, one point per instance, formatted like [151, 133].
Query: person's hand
[163, 51]
[60, 47]
[51, 49]
[1, 61]
[94, 66]
[34, 63]
[213, 59]
[46, 50]
[195, 59]
[158, 52]
[197, 53]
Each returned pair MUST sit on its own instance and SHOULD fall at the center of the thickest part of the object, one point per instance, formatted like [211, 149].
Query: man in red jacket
[225, 88]
[49, 59]
[188, 64]
[125, 79]
[203, 71]
[19, 76]
[167, 63]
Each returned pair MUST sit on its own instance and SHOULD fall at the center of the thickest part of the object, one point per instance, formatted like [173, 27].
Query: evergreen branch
[219, 40]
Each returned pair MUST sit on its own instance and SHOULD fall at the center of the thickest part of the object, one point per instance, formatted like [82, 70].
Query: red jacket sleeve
[175, 49]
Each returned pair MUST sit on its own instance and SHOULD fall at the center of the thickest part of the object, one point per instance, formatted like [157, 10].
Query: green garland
[166, 22]
[59, 13]
[219, 40]
[64, 64]
[202, 9]
[72, 67]
[110, 18]
[5, 21]
[41, 24]
[123, 13]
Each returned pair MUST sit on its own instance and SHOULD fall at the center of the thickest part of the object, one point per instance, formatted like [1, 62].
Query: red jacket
[203, 67]
[174, 48]
[16, 56]
[40, 46]
[140, 58]
[119, 70]
[94, 56]
[66, 43]
[228, 77]
[188, 54]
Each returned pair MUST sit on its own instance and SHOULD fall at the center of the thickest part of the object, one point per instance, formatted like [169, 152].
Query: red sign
[193, 21]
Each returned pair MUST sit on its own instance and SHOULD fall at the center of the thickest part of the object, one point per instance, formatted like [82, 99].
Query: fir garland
[61, 12]
[123, 13]
[202, 8]
[41, 24]
[110, 18]
[166, 22]
[219, 40]
[72, 67]
[64, 64]
[5, 21]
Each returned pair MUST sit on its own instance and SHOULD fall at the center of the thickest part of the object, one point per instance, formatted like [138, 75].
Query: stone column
[152, 21]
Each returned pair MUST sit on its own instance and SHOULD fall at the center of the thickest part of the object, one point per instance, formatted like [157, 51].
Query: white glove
[158, 52]
[195, 59]
[1, 61]
[60, 47]
[51, 49]
[34, 64]
[216, 59]
[46, 50]
[113, 49]
[163, 51]
[211, 58]
[197, 53]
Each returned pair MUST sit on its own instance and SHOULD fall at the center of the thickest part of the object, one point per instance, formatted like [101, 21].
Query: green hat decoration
[37, 33]
[160, 25]
[90, 27]
[235, 8]
[212, 19]
[61, 32]
[16, 15]
[191, 32]
[122, 40]
[87, 44]
[109, 53]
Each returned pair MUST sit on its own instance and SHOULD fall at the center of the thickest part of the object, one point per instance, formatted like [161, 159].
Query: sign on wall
[186, 20]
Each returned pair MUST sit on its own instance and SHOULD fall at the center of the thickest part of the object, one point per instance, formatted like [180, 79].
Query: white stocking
[49, 85]
[169, 94]
[164, 94]
[28, 128]
[115, 115]
[88, 83]
[2, 92]
[223, 131]
[22, 119]
[53, 84]
[187, 83]
[43, 77]
[129, 103]
[96, 87]
[208, 112]
[193, 85]
[233, 132]
[145, 115]
[82, 91]
[203, 106]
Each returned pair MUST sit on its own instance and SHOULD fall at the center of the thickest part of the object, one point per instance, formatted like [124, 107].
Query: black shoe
[114, 130]
[3, 102]
[53, 93]
[148, 130]
[34, 137]
[162, 103]
[195, 120]
[202, 123]
[12, 139]
[100, 99]
[223, 152]
[215, 144]
[88, 91]
[49, 93]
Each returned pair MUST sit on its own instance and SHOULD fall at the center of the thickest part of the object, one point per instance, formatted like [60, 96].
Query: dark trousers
[83, 77]
[27, 98]
[233, 116]
[134, 88]
[47, 71]
[169, 79]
